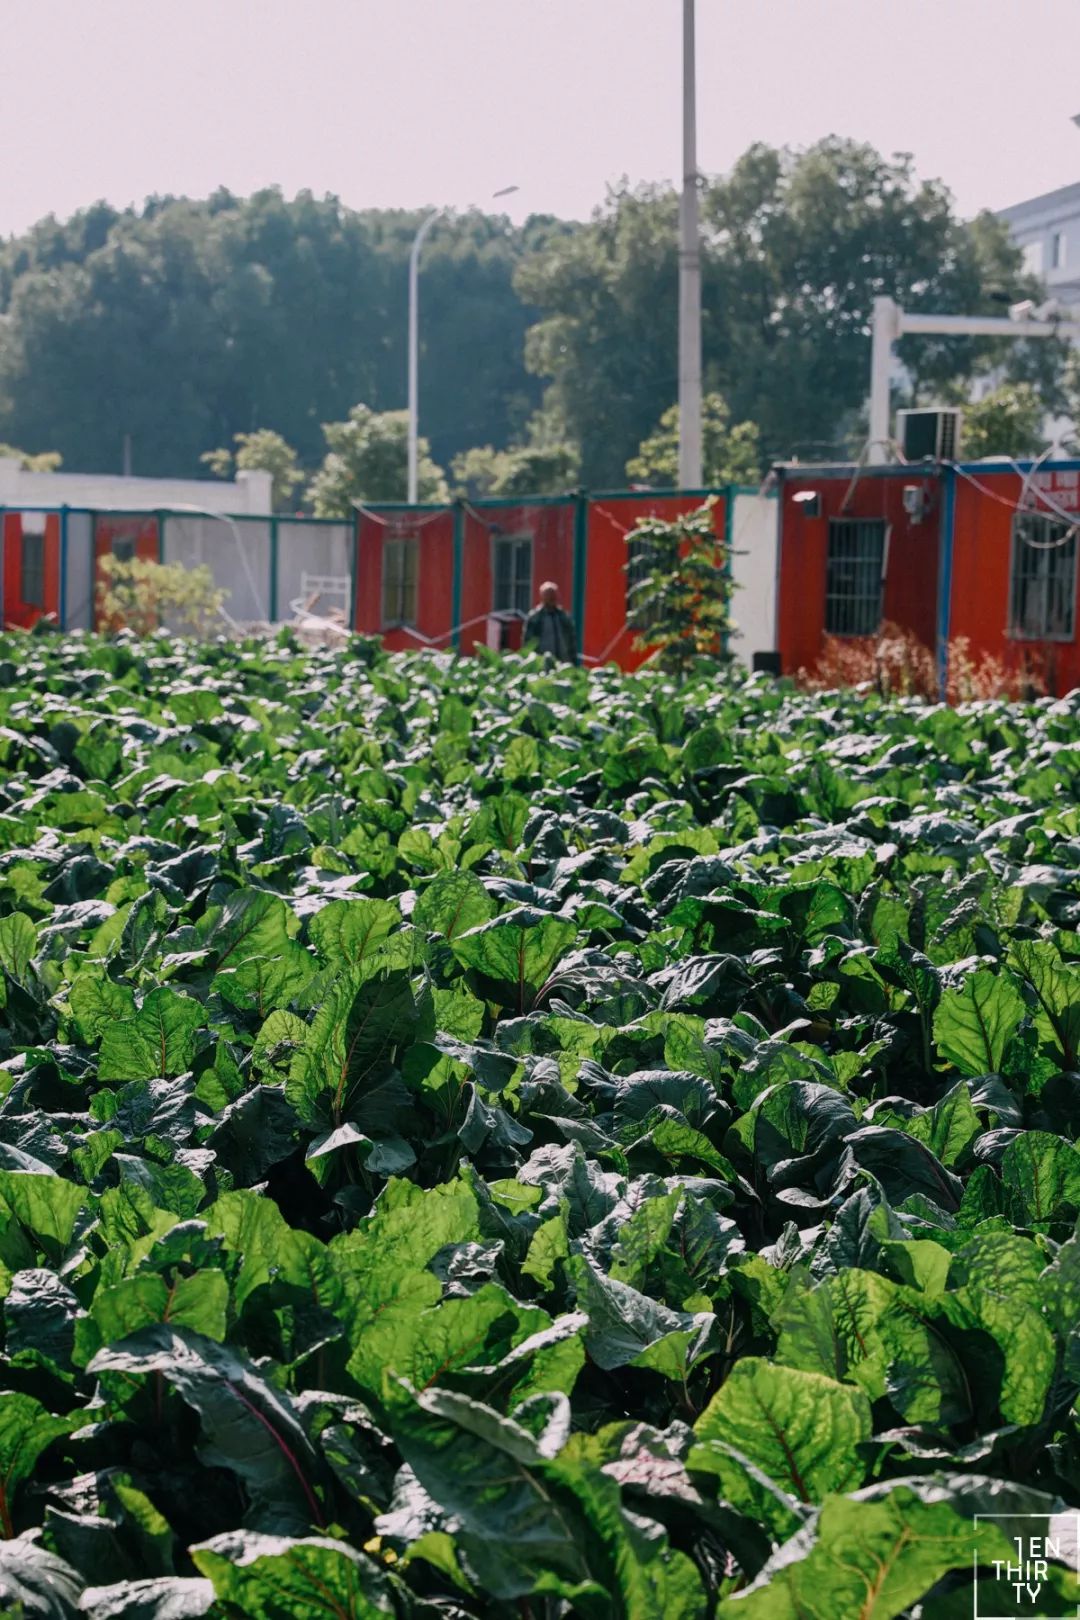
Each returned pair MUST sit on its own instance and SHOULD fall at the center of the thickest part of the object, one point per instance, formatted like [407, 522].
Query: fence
[263, 564]
[449, 576]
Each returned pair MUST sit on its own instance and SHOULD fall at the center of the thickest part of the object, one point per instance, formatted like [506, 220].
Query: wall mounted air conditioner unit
[932, 434]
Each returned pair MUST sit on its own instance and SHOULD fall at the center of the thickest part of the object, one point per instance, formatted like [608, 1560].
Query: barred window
[32, 567]
[401, 562]
[1042, 593]
[512, 574]
[854, 576]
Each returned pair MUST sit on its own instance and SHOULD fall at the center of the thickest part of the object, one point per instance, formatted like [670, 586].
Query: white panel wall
[314, 549]
[79, 573]
[237, 555]
[753, 539]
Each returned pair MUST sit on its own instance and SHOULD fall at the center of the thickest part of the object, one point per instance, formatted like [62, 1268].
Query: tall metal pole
[414, 351]
[884, 331]
[690, 476]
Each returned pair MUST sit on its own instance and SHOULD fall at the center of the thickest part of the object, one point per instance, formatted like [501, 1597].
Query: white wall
[249, 493]
[753, 607]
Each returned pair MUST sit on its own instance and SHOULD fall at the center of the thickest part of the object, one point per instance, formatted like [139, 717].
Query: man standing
[550, 627]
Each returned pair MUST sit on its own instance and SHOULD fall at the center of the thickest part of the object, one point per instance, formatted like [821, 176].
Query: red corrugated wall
[550, 525]
[981, 569]
[16, 611]
[911, 579]
[434, 582]
[610, 518]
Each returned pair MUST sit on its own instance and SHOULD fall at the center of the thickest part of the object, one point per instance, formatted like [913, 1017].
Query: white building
[1047, 230]
[250, 494]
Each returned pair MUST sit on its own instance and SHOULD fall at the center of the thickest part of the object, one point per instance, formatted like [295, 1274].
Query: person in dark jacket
[550, 628]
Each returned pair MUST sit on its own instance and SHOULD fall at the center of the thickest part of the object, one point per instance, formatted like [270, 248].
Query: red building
[984, 552]
[31, 567]
[467, 574]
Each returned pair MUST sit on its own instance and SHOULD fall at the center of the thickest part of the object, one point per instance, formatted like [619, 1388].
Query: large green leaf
[451, 904]
[867, 1561]
[26, 1428]
[248, 1426]
[516, 953]
[358, 1028]
[974, 1024]
[800, 1428]
[158, 1041]
[277, 1578]
[35, 1584]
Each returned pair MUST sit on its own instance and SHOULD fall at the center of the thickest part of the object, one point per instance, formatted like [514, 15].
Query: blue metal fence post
[944, 612]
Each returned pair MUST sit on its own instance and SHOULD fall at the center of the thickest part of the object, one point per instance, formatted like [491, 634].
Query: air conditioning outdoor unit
[930, 435]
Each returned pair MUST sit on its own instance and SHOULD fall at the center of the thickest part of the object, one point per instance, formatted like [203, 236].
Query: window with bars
[512, 574]
[854, 576]
[32, 570]
[401, 562]
[1042, 592]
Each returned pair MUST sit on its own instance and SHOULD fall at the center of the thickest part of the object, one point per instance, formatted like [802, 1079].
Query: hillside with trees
[241, 332]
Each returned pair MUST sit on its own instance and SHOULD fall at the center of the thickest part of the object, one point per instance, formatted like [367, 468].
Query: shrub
[143, 595]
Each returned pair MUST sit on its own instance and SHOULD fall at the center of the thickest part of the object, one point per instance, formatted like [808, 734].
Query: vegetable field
[478, 1141]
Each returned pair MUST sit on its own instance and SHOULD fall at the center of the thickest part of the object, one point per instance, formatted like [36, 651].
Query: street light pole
[414, 343]
[414, 348]
[690, 476]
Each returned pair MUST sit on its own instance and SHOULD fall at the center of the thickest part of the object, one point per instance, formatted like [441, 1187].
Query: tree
[43, 461]
[679, 601]
[730, 455]
[1006, 422]
[183, 323]
[543, 463]
[367, 460]
[261, 451]
[795, 246]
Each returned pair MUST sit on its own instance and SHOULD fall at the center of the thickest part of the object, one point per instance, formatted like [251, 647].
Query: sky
[401, 103]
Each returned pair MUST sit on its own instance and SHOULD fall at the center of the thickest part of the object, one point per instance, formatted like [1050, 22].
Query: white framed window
[1033, 258]
[1042, 578]
[511, 573]
[854, 576]
[32, 570]
[401, 567]
[1057, 250]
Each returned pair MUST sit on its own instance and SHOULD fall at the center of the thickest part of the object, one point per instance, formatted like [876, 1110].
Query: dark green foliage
[485, 1141]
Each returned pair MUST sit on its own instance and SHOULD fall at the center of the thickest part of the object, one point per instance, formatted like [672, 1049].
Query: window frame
[32, 579]
[858, 629]
[405, 612]
[518, 541]
[1040, 559]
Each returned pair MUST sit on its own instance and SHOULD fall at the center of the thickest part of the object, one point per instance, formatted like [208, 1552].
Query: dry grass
[895, 662]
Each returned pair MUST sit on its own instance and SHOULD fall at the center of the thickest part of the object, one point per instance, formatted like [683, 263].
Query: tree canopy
[187, 323]
[367, 460]
[261, 451]
[729, 454]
